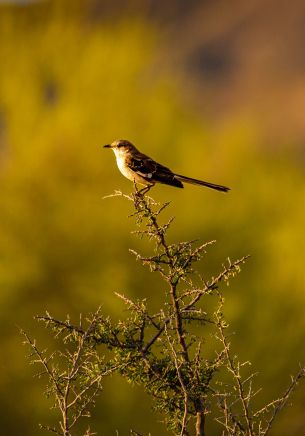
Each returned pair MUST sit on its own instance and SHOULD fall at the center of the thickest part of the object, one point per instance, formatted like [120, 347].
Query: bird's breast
[128, 173]
[121, 162]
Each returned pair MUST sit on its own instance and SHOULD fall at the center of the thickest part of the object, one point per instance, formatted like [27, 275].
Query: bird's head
[121, 147]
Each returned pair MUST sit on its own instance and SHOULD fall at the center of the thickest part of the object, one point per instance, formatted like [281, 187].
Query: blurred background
[214, 89]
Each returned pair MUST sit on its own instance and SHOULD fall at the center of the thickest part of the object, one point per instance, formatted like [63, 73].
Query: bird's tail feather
[202, 183]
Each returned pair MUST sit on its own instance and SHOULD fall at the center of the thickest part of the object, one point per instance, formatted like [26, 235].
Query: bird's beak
[107, 146]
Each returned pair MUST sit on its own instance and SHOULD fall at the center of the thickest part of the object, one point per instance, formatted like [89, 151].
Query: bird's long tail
[201, 182]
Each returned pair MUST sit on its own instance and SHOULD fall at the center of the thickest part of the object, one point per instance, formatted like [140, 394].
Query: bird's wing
[151, 170]
[146, 167]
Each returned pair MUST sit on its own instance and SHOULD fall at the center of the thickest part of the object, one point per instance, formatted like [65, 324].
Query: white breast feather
[128, 173]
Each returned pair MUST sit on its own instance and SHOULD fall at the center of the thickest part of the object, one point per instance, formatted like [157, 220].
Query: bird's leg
[144, 190]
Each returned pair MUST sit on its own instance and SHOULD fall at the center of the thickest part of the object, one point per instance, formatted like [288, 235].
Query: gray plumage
[140, 168]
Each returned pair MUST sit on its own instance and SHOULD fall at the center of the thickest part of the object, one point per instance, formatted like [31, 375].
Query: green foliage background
[69, 84]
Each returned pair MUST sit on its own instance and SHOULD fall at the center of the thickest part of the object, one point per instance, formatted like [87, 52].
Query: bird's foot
[144, 191]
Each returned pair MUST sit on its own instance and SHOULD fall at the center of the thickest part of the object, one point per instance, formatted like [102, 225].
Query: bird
[141, 169]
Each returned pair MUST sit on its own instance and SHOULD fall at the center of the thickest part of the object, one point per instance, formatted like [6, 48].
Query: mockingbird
[140, 168]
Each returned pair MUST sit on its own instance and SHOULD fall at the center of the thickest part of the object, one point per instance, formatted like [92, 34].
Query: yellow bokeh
[68, 85]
